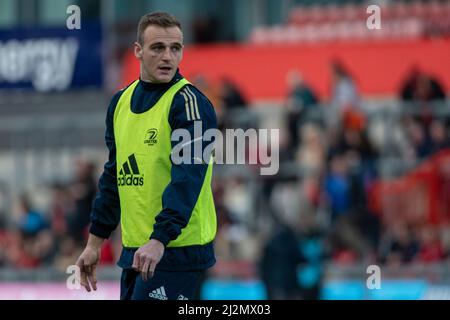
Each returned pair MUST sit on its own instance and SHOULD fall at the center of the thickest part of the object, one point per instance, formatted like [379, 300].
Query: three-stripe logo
[129, 174]
[159, 293]
[190, 104]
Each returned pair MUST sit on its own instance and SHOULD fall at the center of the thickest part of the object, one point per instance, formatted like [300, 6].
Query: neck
[144, 77]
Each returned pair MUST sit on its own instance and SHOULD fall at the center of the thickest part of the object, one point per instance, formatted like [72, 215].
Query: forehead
[153, 34]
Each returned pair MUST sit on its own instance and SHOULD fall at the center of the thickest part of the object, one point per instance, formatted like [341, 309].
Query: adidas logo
[159, 294]
[129, 174]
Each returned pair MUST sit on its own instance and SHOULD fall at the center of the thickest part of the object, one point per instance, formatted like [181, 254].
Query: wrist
[161, 237]
[156, 241]
[94, 242]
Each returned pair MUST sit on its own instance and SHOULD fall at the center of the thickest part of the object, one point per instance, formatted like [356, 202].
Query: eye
[158, 48]
[176, 49]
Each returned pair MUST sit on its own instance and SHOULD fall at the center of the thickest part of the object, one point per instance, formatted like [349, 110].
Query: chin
[164, 79]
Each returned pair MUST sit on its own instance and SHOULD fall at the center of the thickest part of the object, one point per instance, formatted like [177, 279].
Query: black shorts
[164, 285]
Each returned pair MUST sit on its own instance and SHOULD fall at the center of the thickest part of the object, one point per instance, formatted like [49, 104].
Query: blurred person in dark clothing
[60, 207]
[438, 136]
[232, 99]
[300, 101]
[398, 245]
[291, 264]
[278, 267]
[360, 153]
[419, 139]
[420, 86]
[355, 140]
[231, 95]
[346, 185]
[83, 190]
[313, 249]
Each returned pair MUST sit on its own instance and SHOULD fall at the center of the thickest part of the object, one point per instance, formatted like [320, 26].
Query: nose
[167, 55]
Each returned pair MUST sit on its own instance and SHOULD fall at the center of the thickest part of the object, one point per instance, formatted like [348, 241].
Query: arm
[181, 194]
[105, 213]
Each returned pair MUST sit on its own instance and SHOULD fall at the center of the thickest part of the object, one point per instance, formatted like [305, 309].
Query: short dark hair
[161, 19]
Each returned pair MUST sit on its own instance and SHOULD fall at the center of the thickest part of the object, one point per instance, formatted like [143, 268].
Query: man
[166, 210]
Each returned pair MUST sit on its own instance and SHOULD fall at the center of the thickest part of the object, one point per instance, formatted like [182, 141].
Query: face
[160, 54]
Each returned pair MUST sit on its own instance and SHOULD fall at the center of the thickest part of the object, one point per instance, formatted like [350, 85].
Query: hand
[87, 262]
[147, 257]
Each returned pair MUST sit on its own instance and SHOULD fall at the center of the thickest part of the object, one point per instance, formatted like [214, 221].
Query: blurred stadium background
[364, 142]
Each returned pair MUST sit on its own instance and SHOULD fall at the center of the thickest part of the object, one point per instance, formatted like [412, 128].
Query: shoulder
[116, 97]
[190, 104]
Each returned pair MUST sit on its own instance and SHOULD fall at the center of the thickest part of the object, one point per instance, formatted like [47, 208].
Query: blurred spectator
[420, 86]
[431, 248]
[344, 94]
[313, 250]
[233, 99]
[61, 204]
[83, 191]
[338, 186]
[361, 156]
[278, 266]
[438, 136]
[18, 251]
[300, 101]
[398, 245]
[231, 95]
[311, 154]
[44, 247]
[31, 222]
[419, 139]
[300, 96]
[291, 263]
[355, 141]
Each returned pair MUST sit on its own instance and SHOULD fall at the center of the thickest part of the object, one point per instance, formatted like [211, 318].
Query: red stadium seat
[351, 12]
[348, 22]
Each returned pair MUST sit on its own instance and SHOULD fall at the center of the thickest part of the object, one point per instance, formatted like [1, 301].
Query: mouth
[165, 69]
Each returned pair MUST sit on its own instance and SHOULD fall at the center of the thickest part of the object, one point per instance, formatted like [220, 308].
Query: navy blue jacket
[180, 195]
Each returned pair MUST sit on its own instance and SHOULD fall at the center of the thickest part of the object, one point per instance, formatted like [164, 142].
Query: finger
[84, 282]
[136, 259]
[87, 272]
[92, 278]
[142, 261]
[145, 267]
[151, 269]
[83, 279]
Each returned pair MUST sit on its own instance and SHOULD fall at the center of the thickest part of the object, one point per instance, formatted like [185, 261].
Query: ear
[182, 50]
[138, 50]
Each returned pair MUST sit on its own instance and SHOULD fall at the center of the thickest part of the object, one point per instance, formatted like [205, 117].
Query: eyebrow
[163, 44]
